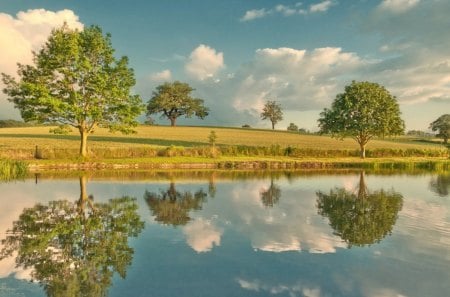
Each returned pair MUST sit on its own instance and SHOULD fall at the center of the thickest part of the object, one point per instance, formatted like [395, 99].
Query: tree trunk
[363, 150]
[273, 126]
[173, 121]
[83, 194]
[83, 144]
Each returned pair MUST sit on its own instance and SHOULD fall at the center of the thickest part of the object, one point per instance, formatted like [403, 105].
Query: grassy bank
[11, 169]
[188, 147]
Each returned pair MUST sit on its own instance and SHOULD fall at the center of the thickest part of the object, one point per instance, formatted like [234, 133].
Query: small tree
[363, 111]
[76, 81]
[292, 127]
[174, 100]
[442, 125]
[272, 111]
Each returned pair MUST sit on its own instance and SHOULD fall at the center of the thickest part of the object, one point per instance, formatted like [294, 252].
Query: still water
[225, 234]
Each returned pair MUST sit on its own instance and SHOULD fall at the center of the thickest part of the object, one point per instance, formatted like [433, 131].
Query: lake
[342, 233]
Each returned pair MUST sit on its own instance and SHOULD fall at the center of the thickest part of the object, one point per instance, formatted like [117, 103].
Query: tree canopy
[171, 207]
[173, 100]
[76, 80]
[360, 218]
[442, 126]
[75, 248]
[363, 111]
[272, 111]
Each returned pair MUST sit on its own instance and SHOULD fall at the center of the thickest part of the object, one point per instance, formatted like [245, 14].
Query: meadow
[25, 143]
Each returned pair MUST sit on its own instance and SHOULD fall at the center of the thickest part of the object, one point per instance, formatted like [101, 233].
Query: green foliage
[361, 218]
[440, 184]
[271, 195]
[442, 126]
[61, 130]
[292, 127]
[74, 248]
[171, 207]
[12, 123]
[363, 111]
[212, 138]
[174, 100]
[76, 80]
[272, 111]
[11, 169]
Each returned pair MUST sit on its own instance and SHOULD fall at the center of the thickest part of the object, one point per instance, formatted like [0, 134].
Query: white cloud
[298, 79]
[22, 34]
[201, 235]
[254, 14]
[204, 62]
[162, 76]
[321, 7]
[286, 10]
[398, 6]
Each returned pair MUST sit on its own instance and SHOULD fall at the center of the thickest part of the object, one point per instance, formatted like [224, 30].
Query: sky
[239, 54]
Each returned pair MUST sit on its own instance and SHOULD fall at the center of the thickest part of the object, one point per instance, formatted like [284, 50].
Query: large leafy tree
[174, 100]
[171, 207]
[272, 111]
[74, 248]
[76, 80]
[360, 217]
[442, 126]
[363, 111]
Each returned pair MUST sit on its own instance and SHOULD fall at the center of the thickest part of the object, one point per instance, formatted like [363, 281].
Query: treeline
[13, 124]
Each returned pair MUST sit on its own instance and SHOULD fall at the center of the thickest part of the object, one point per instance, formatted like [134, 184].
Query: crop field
[21, 142]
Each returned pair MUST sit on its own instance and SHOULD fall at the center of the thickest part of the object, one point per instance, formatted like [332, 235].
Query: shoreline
[243, 164]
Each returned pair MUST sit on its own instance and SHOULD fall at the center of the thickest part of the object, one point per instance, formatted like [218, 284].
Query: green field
[20, 143]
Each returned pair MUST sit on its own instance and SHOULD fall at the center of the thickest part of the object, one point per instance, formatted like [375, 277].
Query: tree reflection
[75, 248]
[172, 207]
[360, 218]
[440, 184]
[272, 195]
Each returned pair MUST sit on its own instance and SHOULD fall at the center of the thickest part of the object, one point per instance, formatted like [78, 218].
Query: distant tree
[292, 127]
[303, 131]
[363, 111]
[76, 81]
[440, 184]
[171, 207]
[272, 111]
[173, 100]
[442, 125]
[271, 195]
[246, 126]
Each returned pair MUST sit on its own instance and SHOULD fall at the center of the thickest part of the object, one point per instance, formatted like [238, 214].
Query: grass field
[20, 143]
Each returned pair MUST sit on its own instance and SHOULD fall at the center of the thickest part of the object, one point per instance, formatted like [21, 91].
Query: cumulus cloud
[204, 62]
[321, 7]
[163, 76]
[298, 79]
[202, 235]
[22, 34]
[286, 10]
[254, 14]
[398, 6]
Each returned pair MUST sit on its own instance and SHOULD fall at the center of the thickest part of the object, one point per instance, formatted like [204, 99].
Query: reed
[12, 169]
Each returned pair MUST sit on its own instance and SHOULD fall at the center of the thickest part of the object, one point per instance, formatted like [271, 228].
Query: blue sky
[238, 54]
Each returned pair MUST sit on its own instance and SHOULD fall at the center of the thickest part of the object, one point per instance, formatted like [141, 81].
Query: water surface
[209, 234]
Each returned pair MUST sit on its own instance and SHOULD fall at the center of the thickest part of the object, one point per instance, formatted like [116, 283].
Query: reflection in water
[172, 207]
[74, 248]
[440, 184]
[362, 218]
[272, 195]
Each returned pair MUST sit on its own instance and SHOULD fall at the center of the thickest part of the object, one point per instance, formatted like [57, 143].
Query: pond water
[215, 234]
